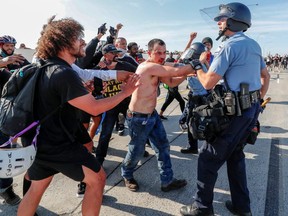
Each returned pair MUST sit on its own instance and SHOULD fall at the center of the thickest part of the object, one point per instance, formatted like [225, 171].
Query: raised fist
[119, 26]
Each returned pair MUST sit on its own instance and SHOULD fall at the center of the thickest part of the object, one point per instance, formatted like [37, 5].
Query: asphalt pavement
[265, 162]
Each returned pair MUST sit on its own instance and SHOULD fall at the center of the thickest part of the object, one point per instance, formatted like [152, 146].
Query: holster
[208, 117]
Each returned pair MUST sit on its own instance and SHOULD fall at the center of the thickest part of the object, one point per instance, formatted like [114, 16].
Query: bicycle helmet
[193, 52]
[7, 39]
[14, 161]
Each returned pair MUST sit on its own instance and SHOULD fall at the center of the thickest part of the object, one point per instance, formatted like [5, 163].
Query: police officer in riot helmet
[241, 65]
[238, 18]
[197, 91]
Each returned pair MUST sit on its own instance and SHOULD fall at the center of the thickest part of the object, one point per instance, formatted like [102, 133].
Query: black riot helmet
[238, 14]
[193, 52]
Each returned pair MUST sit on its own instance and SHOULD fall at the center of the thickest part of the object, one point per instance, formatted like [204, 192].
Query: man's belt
[137, 114]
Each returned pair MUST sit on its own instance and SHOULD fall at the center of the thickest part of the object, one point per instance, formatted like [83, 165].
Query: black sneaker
[189, 150]
[174, 185]
[163, 117]
[81, 190]
[10, 197]
[131, 184]
[191, 210]
[230, 207]
[121, 130]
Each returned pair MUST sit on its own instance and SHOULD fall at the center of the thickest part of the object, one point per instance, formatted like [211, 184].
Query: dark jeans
[141, 129]
[4, 183]
[226, 148]
[172, 94]
[107, 129]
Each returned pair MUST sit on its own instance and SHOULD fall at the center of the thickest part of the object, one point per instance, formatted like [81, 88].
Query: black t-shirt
[56, 87]
[114, 86]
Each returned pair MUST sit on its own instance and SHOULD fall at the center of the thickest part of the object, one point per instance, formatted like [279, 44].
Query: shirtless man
[144, 121]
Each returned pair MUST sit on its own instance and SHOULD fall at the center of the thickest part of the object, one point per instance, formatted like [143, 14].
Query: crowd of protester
[131, 109]
[276, 62]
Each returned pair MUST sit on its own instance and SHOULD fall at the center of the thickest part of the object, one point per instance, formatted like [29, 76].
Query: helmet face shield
[193, 52]
[225, 11]
[187, 55]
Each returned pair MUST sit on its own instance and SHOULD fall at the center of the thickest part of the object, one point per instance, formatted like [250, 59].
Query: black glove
[195, 64]
[102, 29]
[112, 31]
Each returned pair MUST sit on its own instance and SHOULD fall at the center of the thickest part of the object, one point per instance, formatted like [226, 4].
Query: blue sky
[170, 20]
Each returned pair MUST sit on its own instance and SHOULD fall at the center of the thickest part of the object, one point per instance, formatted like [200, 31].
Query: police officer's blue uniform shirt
[241, 60]
[195, 85]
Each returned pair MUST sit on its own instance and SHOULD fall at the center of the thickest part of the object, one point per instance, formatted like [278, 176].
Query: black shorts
[69, 164]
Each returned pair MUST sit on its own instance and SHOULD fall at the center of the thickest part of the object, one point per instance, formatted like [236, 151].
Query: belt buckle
[129, 113]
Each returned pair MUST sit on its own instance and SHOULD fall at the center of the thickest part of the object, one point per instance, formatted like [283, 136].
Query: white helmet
[14, 161]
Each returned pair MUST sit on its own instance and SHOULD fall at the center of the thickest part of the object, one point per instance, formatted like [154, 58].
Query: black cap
[207, 39]
[109, 48]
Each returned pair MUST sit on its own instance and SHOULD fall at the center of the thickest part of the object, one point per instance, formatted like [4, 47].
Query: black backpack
[17, 100]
